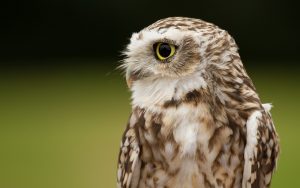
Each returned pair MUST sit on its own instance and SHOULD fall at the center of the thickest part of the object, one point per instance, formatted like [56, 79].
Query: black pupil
[164, 50]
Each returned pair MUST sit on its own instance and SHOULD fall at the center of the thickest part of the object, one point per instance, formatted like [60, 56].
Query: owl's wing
[261, 150]
[129, 162]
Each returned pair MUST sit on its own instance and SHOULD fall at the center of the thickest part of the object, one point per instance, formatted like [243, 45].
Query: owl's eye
[164, 50]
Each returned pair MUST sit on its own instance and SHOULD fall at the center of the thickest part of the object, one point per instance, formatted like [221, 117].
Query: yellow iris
[164, 50]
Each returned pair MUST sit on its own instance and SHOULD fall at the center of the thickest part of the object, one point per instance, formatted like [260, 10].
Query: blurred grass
[62, 127]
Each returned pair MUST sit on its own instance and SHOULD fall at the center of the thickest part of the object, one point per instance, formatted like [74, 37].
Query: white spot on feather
[186, 136]
[267, 107]
[169, 149]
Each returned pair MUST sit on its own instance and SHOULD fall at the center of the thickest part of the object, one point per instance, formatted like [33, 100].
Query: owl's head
[175, 47]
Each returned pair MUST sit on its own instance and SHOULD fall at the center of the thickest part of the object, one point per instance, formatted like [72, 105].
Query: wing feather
[261, 150]
[129, 162]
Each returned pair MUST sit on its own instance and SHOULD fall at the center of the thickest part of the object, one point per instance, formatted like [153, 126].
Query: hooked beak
[134, 75]
[131, 76]
[129, 79]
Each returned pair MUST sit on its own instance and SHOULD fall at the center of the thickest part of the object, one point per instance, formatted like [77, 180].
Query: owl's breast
[187, 146]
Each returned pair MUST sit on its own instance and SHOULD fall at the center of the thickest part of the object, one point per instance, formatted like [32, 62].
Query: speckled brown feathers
[197, 120]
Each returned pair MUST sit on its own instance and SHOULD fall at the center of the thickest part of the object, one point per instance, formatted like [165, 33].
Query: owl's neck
[154, 93]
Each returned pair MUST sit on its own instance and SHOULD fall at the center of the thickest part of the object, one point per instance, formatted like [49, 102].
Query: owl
[197, 120]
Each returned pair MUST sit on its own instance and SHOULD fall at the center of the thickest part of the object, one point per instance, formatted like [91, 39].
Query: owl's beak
[129, 82]
[129, 77]
[132, 76]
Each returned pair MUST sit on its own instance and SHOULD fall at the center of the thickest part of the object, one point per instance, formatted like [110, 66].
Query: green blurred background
[63, 106]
